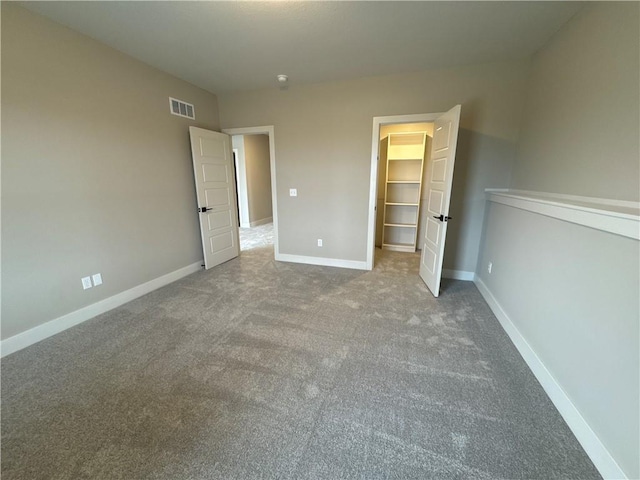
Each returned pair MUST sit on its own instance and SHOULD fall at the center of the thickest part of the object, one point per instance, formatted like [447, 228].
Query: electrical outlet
[319, 242]
[293, 192]
[97, 279]
[86, 282]
[490, 267]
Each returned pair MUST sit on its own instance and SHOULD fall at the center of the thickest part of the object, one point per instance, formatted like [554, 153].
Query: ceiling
[233, 46]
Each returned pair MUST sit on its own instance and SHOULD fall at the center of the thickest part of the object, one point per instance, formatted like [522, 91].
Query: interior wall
[572, 291]
[580, 134]
[573, 294]
[97, 175]
[258, 168]
[385, 130]
[323, 146]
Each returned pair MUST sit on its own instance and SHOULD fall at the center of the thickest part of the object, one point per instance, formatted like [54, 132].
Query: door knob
[442, 218]
[204, 209]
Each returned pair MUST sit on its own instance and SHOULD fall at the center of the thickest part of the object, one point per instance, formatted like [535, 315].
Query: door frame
[241, 180]
[266, 130]
[375, 159]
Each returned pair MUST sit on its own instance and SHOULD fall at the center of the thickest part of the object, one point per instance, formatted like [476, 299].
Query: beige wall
[580, 134]
[96, 174]
[258, 171]
[572, 291]
[323, 148]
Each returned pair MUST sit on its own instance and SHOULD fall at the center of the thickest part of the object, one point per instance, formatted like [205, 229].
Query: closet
[403, 154]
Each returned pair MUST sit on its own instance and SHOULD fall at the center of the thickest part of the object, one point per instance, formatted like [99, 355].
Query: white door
[443, 156]
[216, 190]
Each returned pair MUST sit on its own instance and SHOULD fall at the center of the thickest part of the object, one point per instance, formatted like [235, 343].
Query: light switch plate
[97, 279]
[86, 282]
[293, 192]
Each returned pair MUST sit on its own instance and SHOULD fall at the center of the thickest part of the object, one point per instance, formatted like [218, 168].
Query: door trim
[375, 153]
[267, 130]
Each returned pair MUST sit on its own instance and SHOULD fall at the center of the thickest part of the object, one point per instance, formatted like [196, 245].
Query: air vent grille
[182, 109]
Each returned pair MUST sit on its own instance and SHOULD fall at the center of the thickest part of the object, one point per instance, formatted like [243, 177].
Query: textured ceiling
[231, 46]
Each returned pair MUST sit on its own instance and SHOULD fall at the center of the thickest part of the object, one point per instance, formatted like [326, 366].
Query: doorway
[402, 224]
[405, 157]
[382, 126]
[256, 191]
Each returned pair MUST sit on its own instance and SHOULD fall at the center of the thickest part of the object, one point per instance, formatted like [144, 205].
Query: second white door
[216, 192]
[443, 156]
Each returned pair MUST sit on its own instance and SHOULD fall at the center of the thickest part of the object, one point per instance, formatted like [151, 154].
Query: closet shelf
[401, 225]
[403, 204]
[399, 247]
[408, 182]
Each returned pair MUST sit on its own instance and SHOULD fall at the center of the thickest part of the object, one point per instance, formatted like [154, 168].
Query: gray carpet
[267, 370]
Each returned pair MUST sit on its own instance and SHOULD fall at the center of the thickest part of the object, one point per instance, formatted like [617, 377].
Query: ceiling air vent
[182, 109]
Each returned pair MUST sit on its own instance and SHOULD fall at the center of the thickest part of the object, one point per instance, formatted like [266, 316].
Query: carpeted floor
[265, 370]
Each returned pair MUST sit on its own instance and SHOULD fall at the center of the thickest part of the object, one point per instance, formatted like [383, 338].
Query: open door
[216, 191]
[443, 156]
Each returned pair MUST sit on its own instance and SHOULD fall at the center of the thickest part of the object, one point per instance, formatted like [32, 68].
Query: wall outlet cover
[97, 279]
[319, 242]
[86, 282]
[293, 192]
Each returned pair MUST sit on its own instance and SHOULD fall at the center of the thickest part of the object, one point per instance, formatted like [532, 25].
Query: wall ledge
[619, 217]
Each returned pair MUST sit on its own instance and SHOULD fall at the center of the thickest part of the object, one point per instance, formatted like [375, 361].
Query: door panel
[215, 188]
[212, 172]
[219, 220]
[443, 155]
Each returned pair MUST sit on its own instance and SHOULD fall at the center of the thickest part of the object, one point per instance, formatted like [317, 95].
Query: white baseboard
[459, 275]
[326, 262]
[595, 449]
[262, 221]
[57, 325]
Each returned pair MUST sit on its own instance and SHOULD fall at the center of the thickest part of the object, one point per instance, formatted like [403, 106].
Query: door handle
[204, 209]
[442, 218]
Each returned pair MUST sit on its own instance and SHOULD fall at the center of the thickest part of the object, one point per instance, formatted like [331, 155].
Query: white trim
[592, 445]
[373, 186]
[326, 262]
[574, 198]
[241, 184]
[614, 216]
[268, 130]
[459, 275]
[57, 325]
[262, 221]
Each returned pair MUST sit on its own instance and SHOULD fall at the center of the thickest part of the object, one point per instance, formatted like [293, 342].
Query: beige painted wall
[323, 148]
[257, 164]
[96, 174]
[572, 291]
[580, 134]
